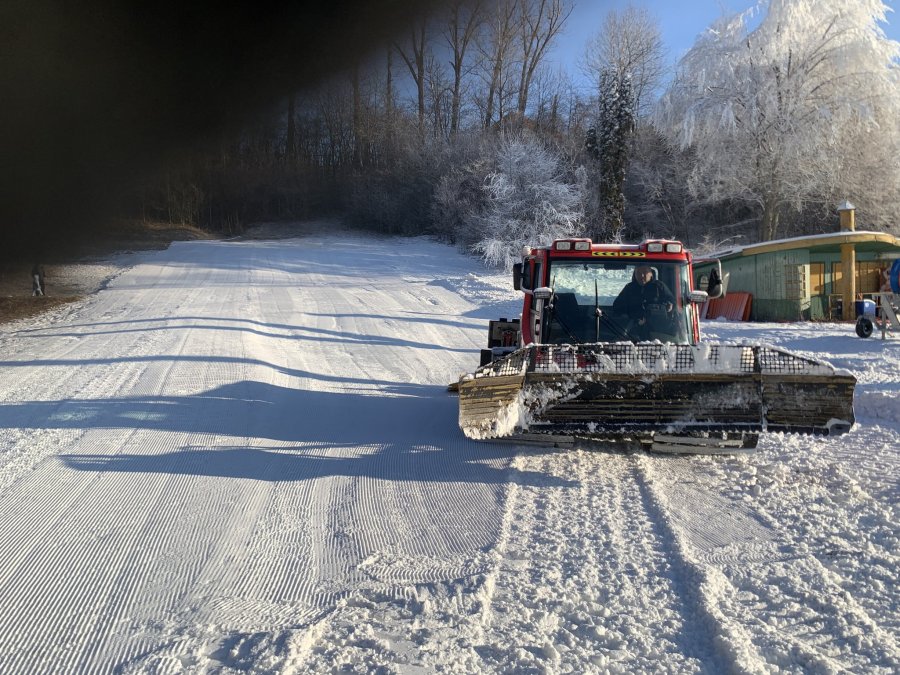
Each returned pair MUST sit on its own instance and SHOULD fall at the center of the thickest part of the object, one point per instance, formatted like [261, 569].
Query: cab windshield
[611, 301]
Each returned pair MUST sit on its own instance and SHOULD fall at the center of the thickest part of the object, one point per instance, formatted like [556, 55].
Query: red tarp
[734, 307]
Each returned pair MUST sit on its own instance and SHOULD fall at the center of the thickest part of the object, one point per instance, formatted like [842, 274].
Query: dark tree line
[102, 96]
[429, 135]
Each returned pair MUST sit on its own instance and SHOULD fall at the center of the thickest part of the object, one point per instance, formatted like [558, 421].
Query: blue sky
[681, 21]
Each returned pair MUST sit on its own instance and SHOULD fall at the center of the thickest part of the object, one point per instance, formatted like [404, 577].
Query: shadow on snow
[402, 433]
[318, 335]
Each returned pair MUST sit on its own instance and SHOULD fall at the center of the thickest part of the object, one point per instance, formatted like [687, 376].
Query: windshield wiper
[617, 329]
[554, 315]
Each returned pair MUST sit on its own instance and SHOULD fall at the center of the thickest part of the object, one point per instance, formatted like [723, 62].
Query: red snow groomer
[608, 347]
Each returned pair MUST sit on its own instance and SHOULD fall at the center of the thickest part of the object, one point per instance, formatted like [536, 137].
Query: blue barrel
[895, 276]
[864, 308]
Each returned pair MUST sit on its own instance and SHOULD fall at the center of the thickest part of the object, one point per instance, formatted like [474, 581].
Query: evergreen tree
[608, 145]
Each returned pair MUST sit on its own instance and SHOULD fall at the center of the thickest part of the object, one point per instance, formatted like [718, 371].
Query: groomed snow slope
[241, 457]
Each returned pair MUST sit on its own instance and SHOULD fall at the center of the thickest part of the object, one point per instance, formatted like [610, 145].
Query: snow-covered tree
[608, 145]
[802, 108]
[530, 201]
[629, 44]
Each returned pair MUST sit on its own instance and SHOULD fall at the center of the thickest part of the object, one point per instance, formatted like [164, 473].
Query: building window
[817, 278]
[868, 277]
[795, 282]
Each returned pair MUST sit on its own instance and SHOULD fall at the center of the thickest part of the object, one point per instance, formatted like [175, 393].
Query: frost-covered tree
[608, 145]
[802, 108]
[530, 201]
[629, 43]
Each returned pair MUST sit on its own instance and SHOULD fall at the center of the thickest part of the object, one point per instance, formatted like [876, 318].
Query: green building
[803, 277]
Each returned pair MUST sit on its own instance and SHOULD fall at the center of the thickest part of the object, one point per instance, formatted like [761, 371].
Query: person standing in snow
[37, 280]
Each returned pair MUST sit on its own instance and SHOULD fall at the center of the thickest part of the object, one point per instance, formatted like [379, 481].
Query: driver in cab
[647, 302]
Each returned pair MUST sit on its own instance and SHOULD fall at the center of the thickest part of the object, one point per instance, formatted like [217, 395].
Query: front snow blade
[625, 390]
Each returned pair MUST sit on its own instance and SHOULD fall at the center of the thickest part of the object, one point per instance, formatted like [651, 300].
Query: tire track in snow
[587, 580]
[42, 509]
[777, 607]
[57, 418]
[391, 534]
[271, 584]
[264, 586]
[79, 342]
[582, 579]
[348, 518]
[45, 509]
[63, 620]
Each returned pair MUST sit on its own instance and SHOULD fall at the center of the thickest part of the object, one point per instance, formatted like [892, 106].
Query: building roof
[864, 241]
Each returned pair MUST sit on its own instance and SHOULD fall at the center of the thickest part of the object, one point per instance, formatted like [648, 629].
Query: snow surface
[240, 457]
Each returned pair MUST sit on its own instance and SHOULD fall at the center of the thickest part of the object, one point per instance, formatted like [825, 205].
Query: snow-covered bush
[530, 201]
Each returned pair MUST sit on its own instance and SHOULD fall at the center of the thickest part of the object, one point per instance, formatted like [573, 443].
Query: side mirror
[517, 276]
[714, 285]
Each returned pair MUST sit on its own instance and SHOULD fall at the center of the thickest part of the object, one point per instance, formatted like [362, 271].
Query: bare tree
[357, 117]
[334, 136]
[550, 96]
[389, 96]
[440, 95]
[630, 45]
[413, 55]
[498, 40]
[290, 149]
[463, 19]
[540, 24]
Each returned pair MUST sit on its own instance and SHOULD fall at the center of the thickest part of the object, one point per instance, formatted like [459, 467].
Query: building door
[818, 298]
[836, 297]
